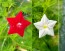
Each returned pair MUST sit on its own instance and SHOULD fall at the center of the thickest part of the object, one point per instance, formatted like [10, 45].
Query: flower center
[45, 26]
[19, 25]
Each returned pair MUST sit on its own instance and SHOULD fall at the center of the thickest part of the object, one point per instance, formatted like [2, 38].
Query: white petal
[41, 33]
[38, 25]
[50, 32]
[44, 19]
[51, 23]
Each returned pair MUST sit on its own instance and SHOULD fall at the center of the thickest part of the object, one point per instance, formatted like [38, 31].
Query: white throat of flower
[45, 26]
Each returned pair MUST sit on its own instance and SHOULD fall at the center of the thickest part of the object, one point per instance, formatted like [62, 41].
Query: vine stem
[47, 44]
[3, 43]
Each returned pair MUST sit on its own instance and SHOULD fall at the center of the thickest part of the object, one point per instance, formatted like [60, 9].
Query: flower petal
[50, 32]
[51, 23]
[38, 25]
[41, 33]
[44, 19]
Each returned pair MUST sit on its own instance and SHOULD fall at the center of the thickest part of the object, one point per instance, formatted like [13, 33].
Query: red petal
[11, 21]
[26, 23]
[19, 16]
[21, 32]
[12, 30]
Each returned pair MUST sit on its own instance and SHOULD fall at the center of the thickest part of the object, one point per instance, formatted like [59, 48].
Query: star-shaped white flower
[28, 0]
[45, 26]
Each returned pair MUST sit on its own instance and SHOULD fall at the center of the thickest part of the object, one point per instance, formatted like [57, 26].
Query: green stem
[3, 43]
[47, 44]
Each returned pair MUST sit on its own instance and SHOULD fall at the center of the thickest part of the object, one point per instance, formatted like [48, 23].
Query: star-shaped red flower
[18, 24]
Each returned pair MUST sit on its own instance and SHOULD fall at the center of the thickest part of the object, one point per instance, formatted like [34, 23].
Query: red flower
[18, 24]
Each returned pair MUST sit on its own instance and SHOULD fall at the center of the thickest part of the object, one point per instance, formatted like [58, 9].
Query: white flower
[45, 26]
[28, 0]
